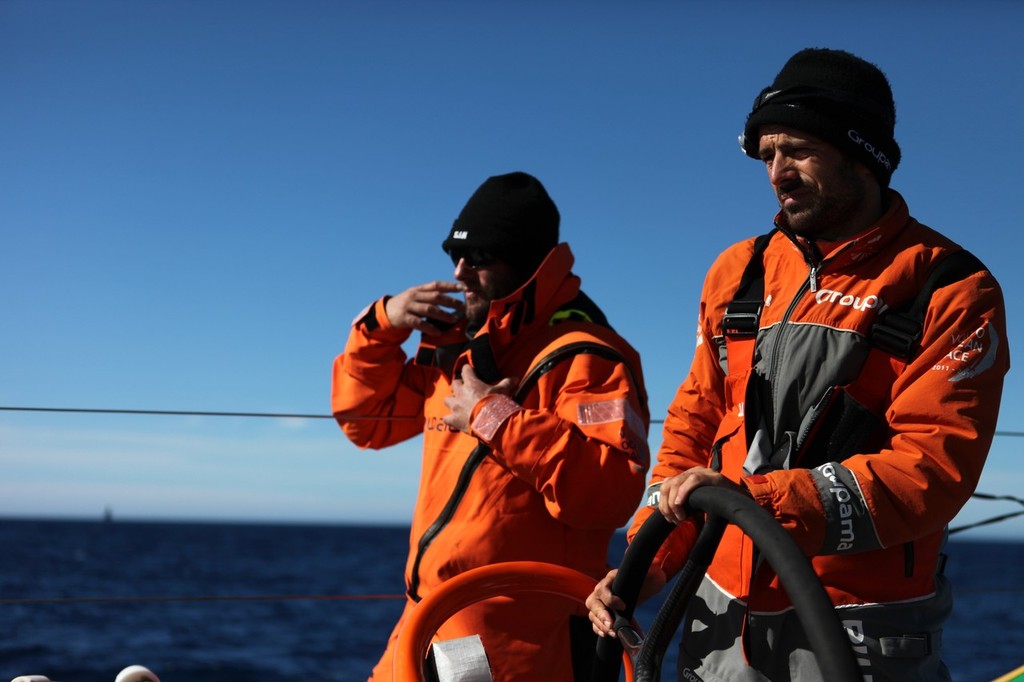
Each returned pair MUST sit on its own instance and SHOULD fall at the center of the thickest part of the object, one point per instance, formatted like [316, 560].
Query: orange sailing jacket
[561, 473]
[871, 512]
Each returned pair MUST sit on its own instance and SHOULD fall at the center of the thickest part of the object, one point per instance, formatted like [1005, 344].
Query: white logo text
[838, 297]
[879, 155]
[843, 497]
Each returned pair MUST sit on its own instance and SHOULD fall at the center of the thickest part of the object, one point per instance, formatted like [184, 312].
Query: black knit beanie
[511, 217]
[835, 96]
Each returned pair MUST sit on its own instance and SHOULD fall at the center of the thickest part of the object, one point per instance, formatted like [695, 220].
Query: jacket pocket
[837, 427]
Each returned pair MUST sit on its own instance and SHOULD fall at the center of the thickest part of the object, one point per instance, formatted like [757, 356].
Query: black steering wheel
[722, 506]
[642, 658]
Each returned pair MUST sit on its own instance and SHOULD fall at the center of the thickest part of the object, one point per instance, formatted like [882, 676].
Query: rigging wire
[266, 415]
[292, 415]
[994, 519]
[286, 415]
[185, 413]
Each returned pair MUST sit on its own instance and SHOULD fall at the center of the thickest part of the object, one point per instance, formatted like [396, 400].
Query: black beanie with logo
[837, 97]
[510, 217]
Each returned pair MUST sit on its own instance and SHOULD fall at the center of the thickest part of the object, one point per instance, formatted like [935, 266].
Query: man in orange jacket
[531, 407]
[860, 423]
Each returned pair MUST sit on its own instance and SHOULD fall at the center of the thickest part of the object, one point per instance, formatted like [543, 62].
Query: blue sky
[198, 197]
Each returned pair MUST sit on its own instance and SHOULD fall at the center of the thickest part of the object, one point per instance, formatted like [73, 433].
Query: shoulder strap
[743, 314]
[548, 362]
[480, 452]
[893, 337]
[897, 332]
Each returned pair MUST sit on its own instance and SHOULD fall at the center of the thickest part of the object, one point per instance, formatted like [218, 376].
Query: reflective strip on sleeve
[602, 412]
[607, 411]
[493, 414]
[618, 410]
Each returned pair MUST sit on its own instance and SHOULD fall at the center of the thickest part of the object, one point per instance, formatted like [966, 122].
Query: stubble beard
[476, 315]
[829, 216]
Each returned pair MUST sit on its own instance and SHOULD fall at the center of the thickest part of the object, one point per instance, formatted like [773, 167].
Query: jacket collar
[864, 244]
[533, 304]
[526, 311]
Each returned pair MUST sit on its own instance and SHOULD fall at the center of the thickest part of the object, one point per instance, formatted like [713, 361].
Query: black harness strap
[897, 331]
[743, 314]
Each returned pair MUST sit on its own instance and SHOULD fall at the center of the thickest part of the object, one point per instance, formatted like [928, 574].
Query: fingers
[478, 388]
[467, 391]
[672, 501]
[460, 408]
[601, 601]
[599, 604]
[676, 490]
[415, 307]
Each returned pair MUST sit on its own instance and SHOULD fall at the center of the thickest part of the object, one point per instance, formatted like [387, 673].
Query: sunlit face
[486, 279]
[822, 192]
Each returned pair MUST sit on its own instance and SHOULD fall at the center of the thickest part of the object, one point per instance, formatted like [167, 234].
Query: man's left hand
[675, 491]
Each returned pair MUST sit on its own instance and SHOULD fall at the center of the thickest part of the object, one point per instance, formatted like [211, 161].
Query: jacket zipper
[815, 268]
[477, 456]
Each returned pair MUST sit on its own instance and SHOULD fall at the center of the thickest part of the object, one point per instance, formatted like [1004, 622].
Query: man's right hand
[416, 307]
[601, 601]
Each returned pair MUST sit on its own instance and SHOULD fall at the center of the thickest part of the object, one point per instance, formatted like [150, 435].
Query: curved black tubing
[628, 581]
[647, 662]
[825, 633]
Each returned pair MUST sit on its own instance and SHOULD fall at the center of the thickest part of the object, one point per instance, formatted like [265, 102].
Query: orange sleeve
[376, 396]
[580, 440]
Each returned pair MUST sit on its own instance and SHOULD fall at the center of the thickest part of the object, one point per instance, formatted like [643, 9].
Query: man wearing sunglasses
[847, 377]
[534, 417]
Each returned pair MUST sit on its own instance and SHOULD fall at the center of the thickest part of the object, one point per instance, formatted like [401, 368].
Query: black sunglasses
[475, 258]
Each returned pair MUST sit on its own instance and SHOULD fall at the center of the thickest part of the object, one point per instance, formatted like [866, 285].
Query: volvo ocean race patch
[971, 354]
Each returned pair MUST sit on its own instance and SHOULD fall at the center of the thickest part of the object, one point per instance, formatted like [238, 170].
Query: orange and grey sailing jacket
[545, 477]
[863, 457]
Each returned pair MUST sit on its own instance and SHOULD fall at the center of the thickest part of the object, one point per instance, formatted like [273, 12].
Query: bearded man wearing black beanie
[531, 408]
[847, 378]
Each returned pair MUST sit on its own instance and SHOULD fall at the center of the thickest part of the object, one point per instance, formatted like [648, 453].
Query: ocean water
[200, 602]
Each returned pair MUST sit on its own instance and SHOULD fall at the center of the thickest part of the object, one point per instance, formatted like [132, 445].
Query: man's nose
[780, 167]
[463, 271]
